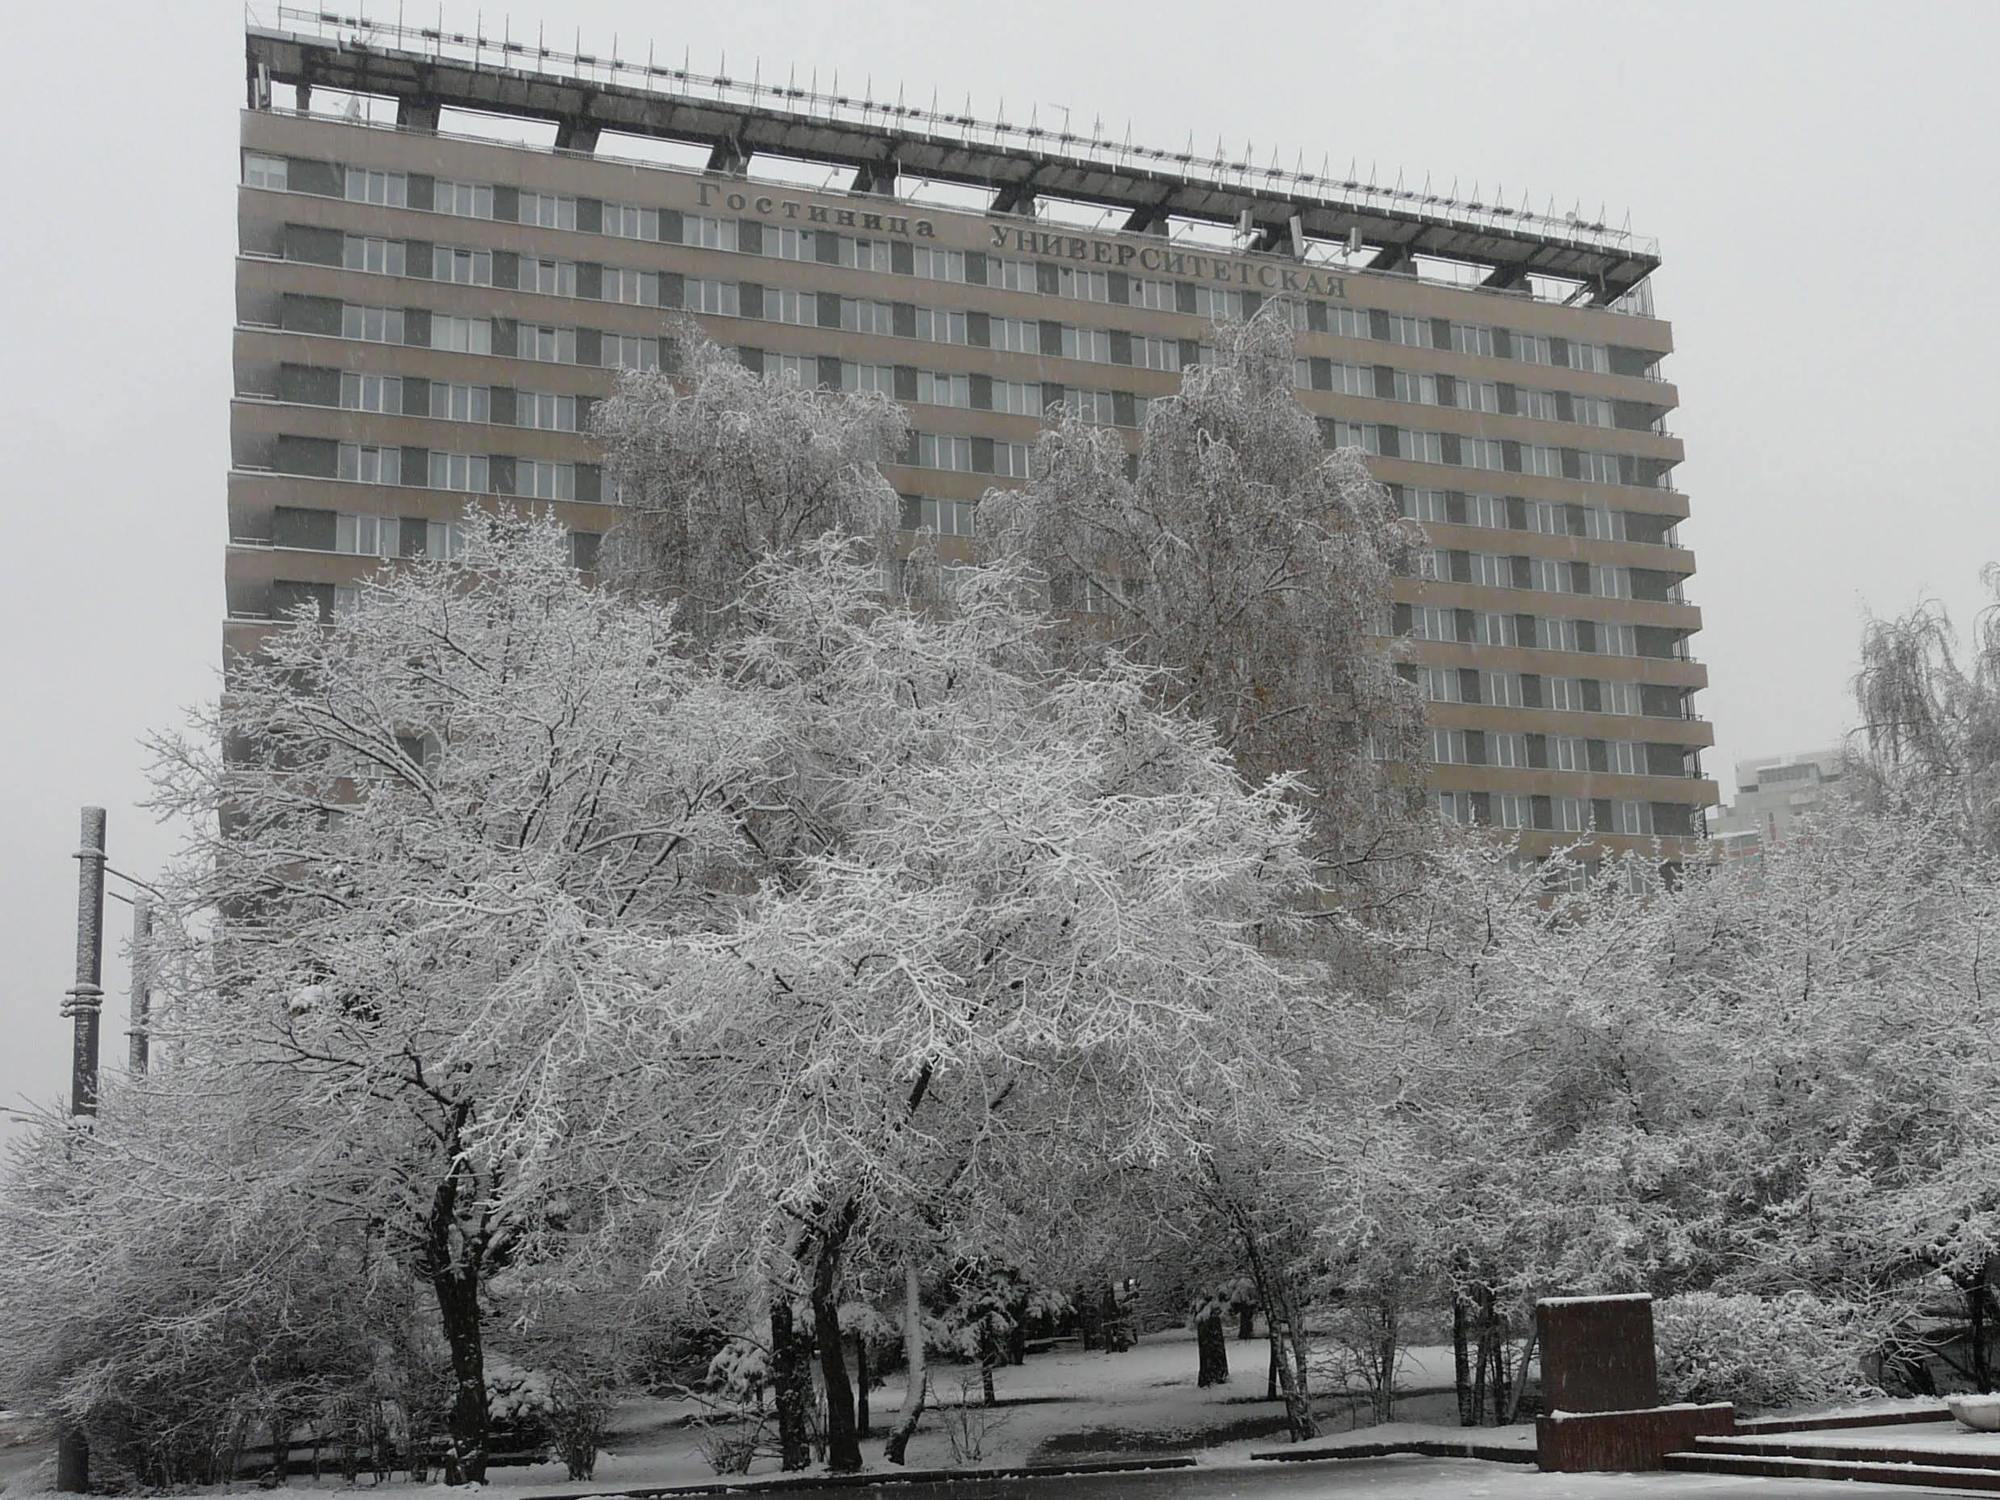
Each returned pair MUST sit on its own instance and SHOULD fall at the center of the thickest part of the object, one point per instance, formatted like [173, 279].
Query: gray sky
[1820, 176]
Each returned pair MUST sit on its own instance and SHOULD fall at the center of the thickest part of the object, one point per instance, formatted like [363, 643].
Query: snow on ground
[1070, 1405]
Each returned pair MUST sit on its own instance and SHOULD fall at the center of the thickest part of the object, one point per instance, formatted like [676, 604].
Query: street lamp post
[83, 1004]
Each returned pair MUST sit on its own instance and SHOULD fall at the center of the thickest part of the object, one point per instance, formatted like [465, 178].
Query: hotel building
[423, 314]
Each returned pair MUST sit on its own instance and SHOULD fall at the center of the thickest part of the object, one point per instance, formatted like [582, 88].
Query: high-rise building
[424, 315]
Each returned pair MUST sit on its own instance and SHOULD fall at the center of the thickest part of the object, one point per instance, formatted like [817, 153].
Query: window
[1448, 747]
[801, 369]
[466, 267]
[1549, 574]
[1011, 275]
[1352, 380]
[943, 390]
[708, 234]
[368, 465]
[1509, 751]
[1598, 468]
[859, 315]
[936, 451]
[1021, 398]
[444, 540]
[1431, 622]
[623, 284]
[1086, 343]
[783, 304]
[459, 471]
[1435, 563]
[377, 325]
[1456, 807]
[367, 536]
[1540, 405]
[346, 600]
[1476, 395]
[384, 257]
[945, 517]
[549, 210]
[1572, 814]
[371, 392]
[1564, 694]
[1409, 385]
[1347, 322]
[545, 411]
[544, 481]
[1632, 817]
[1010, 460]
[1422, 447]
[1541, 459]
[1558, 635]
[626, 351]
[1501, 689]
[1440, 685]
[461, 335]
[1302, 377]
[865, 255]
[1489, 511]
[1624, 757]
[1592, 357]
[556, 278]
[937, 325]
[1492, 572]
[1621, 698]
[390, 189]
[1611, 582]
[461, 403]
[938, 265]
[1591, 411]
[1016, 335]
[717, 298]
[782, 242]
[1546, 518]
[1363, 435]
[1091, 406]
[1156, 354]
[1515, 812]
[628, 221]
[1471, 338]
[1218, 304]
[1602, 525]
[878, 378]
[473, 200]
[1532, 348]
[1568, 753]
[551, 346]
[1481, 453]
[264, 171]
[1404, 329]
[1495, 630]
[1617, 640]
[1425, 505]
[1156, 295]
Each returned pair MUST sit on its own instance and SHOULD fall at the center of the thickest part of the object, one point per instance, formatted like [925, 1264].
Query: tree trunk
[1291, 1373]
[1461, 1362]
[861, 1422]
[1246, 1322]
[843, 1443]
[1271, 1375]
[1086, 1319]
[791, 1380]
[457, 1291]
[1211, 1349]
[913, 1368]
[989, 1356]
[1385, 1366]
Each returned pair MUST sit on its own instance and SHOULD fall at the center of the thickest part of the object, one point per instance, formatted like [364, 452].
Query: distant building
[1772, 794]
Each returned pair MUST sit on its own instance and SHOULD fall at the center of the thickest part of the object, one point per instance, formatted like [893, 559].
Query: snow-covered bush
[1759, 1352]
[520, 1406]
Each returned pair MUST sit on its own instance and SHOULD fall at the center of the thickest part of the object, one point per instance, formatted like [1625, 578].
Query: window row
[472, 473]
[633, 221]
[1467, 627]
[463, 335]
[544, 411]
[967, 455]
[1548, 575]
[1497, 455]
[1572, 695]
[1559, 752]
[1546, 814]
[1452, 392]
[1542, 517]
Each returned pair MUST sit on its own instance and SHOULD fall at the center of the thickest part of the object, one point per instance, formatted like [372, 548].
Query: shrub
[1760, 1352]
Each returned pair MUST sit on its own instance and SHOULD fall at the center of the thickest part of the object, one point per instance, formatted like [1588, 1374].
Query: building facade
[423, 317]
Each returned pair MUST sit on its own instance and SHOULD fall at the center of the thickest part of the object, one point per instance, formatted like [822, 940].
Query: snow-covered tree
[718, 468]
[418, 833]
[1252, 564]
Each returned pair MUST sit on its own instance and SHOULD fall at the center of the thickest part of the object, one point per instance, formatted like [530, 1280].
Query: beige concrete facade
[291, 436]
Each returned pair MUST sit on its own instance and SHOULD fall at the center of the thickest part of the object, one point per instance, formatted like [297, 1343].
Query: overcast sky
[1821, 178]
